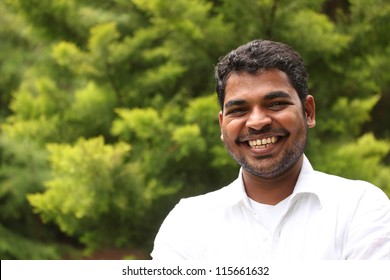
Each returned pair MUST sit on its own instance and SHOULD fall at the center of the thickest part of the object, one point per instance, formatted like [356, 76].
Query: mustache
[263, 130]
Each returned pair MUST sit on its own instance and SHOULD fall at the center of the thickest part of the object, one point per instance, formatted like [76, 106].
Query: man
[278, 208]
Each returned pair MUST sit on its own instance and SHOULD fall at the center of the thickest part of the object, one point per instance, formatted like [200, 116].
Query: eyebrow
[234, 102]
[269, 96]
[277, 94]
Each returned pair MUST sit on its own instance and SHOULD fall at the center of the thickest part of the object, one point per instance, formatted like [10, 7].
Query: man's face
[263, 124]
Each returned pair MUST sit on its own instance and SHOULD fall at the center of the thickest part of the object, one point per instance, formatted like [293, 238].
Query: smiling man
[279, 207]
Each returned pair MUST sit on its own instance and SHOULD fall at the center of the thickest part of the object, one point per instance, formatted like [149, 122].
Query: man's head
[262, 55]
[265, 107]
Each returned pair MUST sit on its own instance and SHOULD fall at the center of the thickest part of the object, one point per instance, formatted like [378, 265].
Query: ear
[220, 117]
[310, 111]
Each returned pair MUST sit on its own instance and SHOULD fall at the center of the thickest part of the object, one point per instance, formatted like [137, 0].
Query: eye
[236, 111]
[278, 105]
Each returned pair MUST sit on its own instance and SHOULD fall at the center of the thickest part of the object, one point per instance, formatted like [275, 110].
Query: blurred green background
[108, 114]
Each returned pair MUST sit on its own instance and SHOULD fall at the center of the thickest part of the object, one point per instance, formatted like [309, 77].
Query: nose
[257, 119]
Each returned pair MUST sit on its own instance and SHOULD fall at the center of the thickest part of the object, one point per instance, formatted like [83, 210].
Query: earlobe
[310, 122]
[310, 111]
[220, 118]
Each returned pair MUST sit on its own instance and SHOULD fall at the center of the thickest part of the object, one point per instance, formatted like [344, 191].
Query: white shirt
[269, 215]
[327, 217]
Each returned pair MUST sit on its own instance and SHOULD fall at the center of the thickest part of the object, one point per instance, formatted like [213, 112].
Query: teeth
[262, 143]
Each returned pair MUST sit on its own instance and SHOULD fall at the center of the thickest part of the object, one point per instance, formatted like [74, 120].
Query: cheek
[292, 120]
[232, 129]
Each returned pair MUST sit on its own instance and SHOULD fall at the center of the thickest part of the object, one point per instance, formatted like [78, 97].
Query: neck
[272, 190]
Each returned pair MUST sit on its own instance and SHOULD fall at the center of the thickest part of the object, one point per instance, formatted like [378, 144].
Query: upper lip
[259, 137]
[264, 133]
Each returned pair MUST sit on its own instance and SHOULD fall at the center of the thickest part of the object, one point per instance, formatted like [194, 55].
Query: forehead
[245, 85]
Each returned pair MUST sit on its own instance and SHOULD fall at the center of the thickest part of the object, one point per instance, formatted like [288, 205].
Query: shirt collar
[236, 190]
[306, 183]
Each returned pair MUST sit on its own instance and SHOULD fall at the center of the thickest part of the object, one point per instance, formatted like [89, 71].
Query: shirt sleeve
[369, 232]
[172, 240]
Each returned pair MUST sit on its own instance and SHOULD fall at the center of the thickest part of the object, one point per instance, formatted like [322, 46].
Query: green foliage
[91, 111]
[15, 54]
[189, 140]
[14, 246]
[347, 117]
[83, 81]
[359, 159]
[169, 143]
[23, 168]
[87, 185]
[311, 28]
[40, 98]
[136, 121]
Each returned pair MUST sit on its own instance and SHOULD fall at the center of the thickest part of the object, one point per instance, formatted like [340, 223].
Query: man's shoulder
[342, 182]
[342, 187]
[223, 197]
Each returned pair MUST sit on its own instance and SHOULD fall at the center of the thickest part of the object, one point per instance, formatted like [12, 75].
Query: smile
[262, 143]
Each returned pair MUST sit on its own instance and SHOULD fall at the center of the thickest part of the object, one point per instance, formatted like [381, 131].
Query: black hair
[260, 55]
